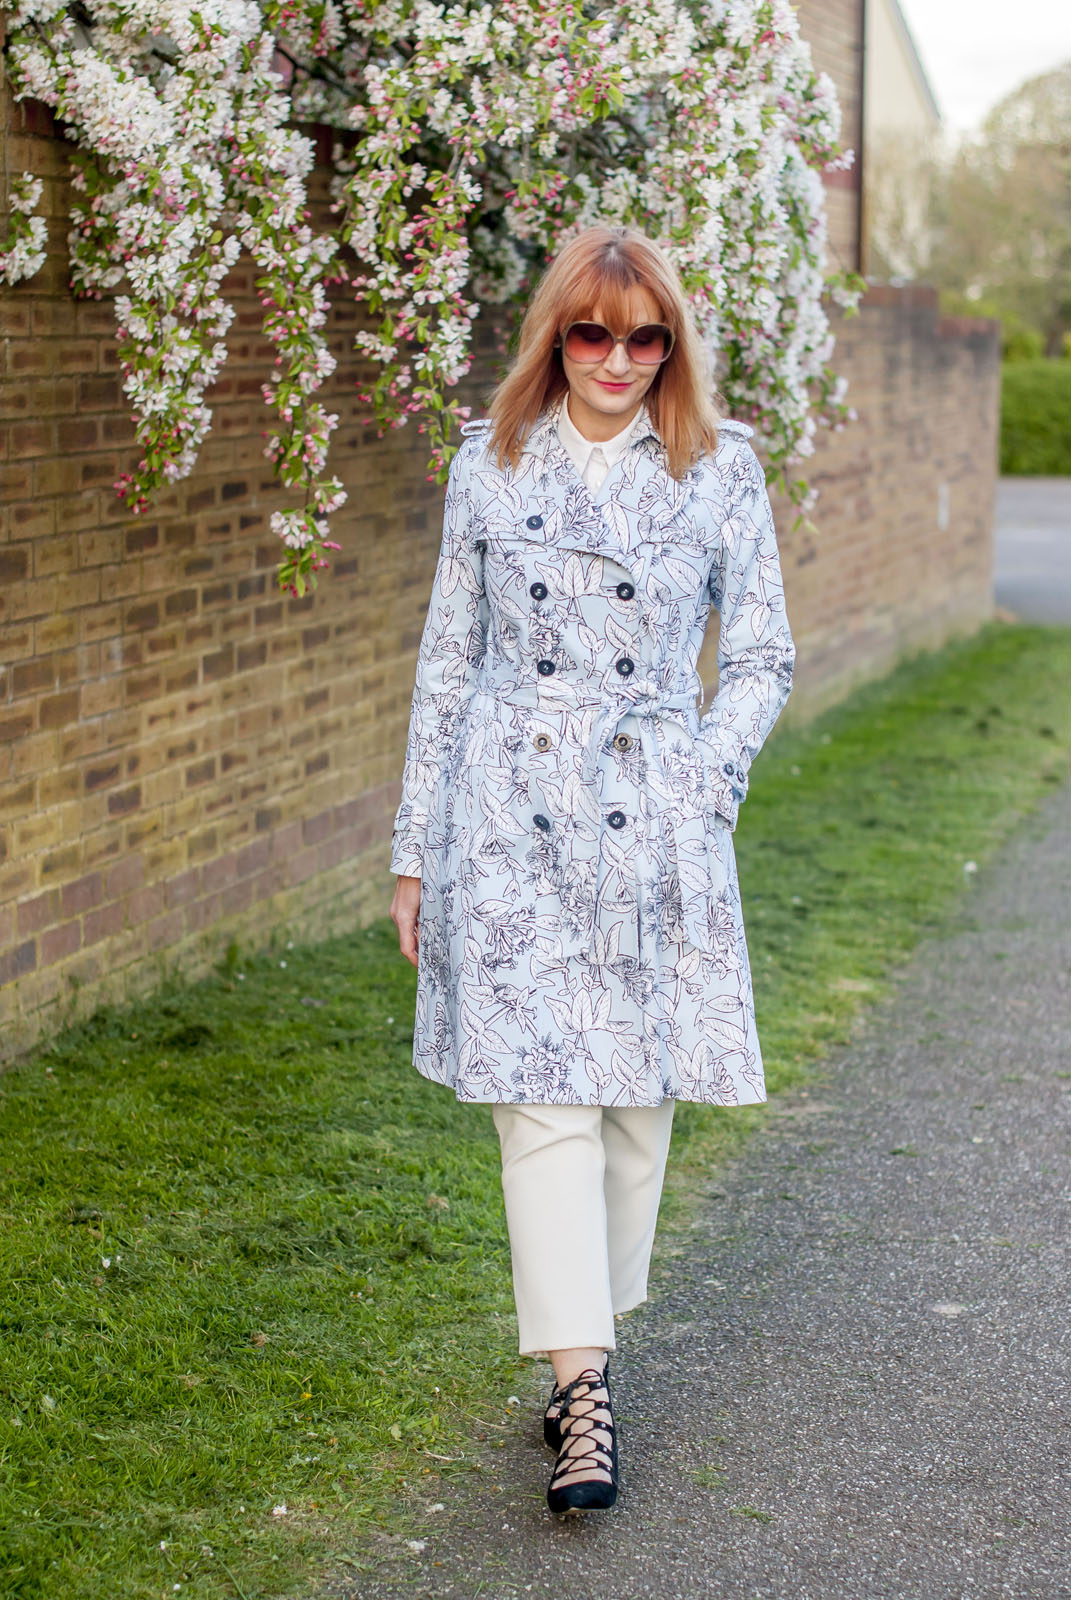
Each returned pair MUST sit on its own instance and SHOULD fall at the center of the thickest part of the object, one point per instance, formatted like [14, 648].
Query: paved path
[855, 1381]
[1032, 575]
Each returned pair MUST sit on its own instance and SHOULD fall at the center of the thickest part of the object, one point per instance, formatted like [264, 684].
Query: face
[603, 398]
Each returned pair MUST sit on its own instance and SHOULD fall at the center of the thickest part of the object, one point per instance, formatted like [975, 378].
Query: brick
[269, 882]
[183, 889]
[146, 903]
[17, 878]
[82, 433]
[139, 539]
[219, 664]
[316, 828]
[16, 478]
[201, 772]
[82, 895]
[16, 724]
[101, 777]
[286, 841]
[125, 876]
[203, 845]
[238, 897]
[37, 753]
[182, 603]
[253, 858]
[18, 962]
[59, 943]
[144, 615]
[60, 633]
[203, 913]
[97, 546]
[96, 394]
[32, 439]
[100, 924]
[222, 871]
[59, 710]
[39, 832]
[301, 866]
[166, 930]
[123, 801]
[28, 676]
[142, 686]
[14, 563]
[41, 911]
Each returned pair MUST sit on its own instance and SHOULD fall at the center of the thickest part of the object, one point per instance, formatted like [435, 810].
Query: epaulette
[730, 425]
[477, 425]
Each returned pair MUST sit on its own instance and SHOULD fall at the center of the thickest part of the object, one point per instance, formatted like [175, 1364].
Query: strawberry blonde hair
[598, 267]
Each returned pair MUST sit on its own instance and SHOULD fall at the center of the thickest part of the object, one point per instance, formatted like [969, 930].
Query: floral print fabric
[568, 813]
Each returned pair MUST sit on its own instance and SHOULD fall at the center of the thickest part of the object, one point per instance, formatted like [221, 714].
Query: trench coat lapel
[593, 523]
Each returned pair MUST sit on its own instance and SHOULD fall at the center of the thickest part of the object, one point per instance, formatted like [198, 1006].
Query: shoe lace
[587, 1426]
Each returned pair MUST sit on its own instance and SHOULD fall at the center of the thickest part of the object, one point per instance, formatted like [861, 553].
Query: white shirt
[593, 461]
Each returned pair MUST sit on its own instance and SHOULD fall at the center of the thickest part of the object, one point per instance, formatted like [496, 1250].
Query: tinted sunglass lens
[588, 341]
[649, 345]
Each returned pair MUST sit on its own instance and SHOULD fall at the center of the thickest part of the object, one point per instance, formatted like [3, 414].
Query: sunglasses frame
[590, 322]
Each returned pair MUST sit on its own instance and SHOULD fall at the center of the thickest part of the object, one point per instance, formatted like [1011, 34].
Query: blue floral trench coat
[568, 813]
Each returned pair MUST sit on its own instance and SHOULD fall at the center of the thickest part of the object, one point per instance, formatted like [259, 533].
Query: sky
[976, 51]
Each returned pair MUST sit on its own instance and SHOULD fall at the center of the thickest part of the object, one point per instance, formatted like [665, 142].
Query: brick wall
[186, 758]
[901, 555]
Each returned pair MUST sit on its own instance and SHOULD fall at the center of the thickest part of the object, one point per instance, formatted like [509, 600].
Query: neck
[598, 426]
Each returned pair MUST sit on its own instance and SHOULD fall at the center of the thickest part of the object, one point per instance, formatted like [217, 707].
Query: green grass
[1035, 418]
[251, 1259]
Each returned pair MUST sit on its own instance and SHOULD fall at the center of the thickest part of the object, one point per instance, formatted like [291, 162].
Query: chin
[603, 400]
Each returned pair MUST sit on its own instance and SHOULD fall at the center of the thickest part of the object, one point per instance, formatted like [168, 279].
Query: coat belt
[649, 702]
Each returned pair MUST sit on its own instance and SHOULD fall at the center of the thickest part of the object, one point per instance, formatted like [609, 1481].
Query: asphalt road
[854, 1383]
[1032, 569]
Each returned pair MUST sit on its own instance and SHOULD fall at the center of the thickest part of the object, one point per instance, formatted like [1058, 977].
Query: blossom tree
[473, 139]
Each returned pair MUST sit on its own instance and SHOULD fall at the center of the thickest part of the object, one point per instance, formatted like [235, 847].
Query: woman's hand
[405, 912]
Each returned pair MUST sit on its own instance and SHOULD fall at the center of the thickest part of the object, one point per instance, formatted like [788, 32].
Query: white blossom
[486, 137]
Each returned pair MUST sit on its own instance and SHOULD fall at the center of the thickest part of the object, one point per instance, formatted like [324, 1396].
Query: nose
[617, 362]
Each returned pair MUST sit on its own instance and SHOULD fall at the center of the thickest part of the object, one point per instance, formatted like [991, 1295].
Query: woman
[566, 881]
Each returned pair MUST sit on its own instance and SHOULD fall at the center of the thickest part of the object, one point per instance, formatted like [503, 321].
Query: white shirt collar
[580, 447]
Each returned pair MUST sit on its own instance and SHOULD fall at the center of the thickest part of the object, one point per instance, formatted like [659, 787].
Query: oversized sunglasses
[648, 345]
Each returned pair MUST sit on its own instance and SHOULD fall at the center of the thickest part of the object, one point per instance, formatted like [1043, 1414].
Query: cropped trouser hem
[581, 1186]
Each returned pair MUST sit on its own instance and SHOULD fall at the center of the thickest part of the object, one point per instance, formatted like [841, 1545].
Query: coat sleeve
[755, 649]
[451, 649]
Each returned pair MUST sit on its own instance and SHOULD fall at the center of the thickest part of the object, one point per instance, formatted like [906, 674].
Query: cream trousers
[581, 1186]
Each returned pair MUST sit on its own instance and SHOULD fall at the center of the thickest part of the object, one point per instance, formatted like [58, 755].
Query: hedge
[1035, 418]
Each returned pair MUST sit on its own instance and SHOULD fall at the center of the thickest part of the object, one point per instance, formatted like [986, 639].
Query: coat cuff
[405, 855]
[725, 783]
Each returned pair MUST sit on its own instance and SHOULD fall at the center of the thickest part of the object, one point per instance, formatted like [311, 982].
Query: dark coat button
[542, 822]
[545, 668]
[538, 591]
[625, 666]
[623, 741]
[625, 591]
[729, 769]
[535, 522]
[616, 819]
